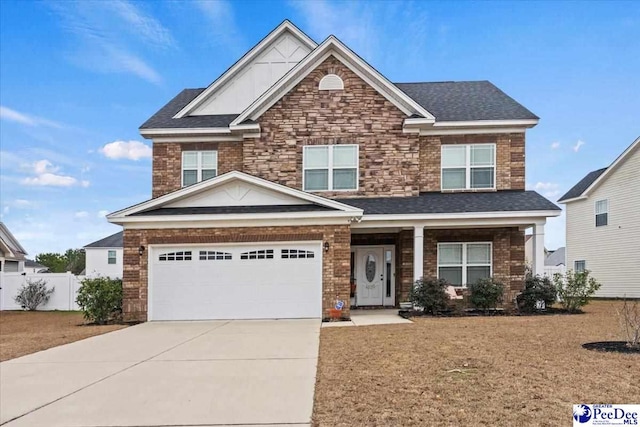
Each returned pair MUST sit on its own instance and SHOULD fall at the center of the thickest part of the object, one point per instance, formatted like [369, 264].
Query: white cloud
[81, 214]
[119, 60]
[47, 176]
[132, 150]
[102, 213]
[143, 25]
[549, 190]
[11, 115]
[555, 145]
[579, 144]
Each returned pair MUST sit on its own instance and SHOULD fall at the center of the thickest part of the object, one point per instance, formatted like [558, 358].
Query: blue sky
[78, 78]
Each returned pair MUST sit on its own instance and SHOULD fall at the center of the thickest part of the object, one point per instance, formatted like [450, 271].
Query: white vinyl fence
[550, 270]
[65, 286]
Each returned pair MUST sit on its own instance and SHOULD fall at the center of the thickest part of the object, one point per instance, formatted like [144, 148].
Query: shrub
[574, 289]
[430, 294]
[629, 317]
[486, 293]
[536, 288]
[32, 294]
[100, 299]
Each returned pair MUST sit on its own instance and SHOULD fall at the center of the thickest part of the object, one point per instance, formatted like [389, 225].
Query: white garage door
[248, 281]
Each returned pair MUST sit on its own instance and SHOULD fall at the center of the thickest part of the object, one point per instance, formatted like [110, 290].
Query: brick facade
[335, 261]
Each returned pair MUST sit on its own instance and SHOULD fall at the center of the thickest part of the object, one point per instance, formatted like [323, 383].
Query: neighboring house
[603, 225]
[555, 262]
[104, 257]
[12, 254]
[32, 267]
[302, 177]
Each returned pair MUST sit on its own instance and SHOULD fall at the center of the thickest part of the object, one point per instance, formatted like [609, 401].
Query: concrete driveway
[212, 373]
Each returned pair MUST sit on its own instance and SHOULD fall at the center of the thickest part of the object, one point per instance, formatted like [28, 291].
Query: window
[214, 255]
[176, 256]
[261, 254]
[580, 266]
[198, 166]
[330, 167]
[464, 263]
[295, 253]
[111, 257]
[602, 212]
[468, 166]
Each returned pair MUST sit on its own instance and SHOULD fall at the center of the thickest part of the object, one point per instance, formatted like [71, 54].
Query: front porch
[385, 262]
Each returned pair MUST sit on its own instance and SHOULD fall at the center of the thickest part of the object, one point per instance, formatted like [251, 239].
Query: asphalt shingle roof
[578, 189]
[447, 101]
[219, 210]
[463, 101]
[556, 258]
[113, 241]
[426, 203]
[164, 117]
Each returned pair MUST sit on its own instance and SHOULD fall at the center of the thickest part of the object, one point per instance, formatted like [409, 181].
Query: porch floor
[387, 316]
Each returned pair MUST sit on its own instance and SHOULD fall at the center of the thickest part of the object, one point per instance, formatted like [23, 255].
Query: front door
[370, 276]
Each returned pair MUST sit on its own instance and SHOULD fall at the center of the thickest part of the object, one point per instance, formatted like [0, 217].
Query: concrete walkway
[388, 316]
[169, 374]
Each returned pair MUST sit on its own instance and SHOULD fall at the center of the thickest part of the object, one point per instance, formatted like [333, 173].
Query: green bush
[574, 289]
[32, 294]
[486, 293]
[100, 299]
[430, 294]
[536, 288]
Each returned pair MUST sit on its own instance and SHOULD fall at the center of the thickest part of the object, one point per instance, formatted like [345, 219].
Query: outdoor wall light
[326, 246]
[140, 250]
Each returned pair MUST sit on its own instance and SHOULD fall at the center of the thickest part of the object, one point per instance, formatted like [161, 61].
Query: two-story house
[302, 177]
[603, 225]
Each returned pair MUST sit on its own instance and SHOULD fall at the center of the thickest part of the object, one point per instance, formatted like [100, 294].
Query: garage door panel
[217, 283]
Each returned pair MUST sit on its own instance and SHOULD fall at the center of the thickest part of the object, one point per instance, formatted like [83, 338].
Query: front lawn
[25, 332]
[472, 370]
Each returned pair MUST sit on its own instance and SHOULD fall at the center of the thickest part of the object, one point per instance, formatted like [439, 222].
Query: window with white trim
[259, 254]
[295, 254]
[330, 167]
[198, 166]
[602, 212]
[111, 257]
[461, 264]
[470, 166]
[175, 256]
[579, 266]
[214, 255]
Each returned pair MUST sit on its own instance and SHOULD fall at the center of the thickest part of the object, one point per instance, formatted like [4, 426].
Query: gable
[237, 193]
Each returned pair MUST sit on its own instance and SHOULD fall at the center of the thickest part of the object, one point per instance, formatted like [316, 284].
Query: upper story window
[602, 212]
[111, 257]
[330, 167]
[466, 167]
[198, 166]
[461, 264]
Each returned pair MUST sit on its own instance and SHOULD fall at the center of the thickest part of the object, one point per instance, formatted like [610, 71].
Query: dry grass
[25, 332]
[472, 371]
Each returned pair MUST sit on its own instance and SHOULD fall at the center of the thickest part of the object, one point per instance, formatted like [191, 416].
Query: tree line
[72, 260]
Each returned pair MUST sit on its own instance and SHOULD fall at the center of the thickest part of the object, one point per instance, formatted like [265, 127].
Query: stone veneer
[335, 261]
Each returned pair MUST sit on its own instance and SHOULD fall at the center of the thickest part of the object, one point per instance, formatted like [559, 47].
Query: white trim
[464, 264]
[330, 168]
[332, 46]
[483, 123]
[198, 167]
[616, 163]
[151, 133]
[595, 212]
[468, 167]
[247, 58]
[231, 176]
[180, 139]
[464, 131]
[463, 216]
[169, 223]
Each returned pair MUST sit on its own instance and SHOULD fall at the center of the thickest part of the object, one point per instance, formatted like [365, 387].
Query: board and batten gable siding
[611, 252]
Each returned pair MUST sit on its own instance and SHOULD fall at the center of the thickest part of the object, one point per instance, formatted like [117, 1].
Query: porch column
[538, 248]
[418, 252]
